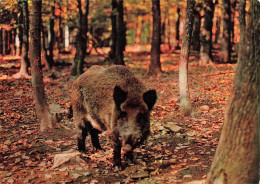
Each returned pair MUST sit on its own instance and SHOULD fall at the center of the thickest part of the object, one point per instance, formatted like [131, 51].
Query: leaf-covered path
[179, 149]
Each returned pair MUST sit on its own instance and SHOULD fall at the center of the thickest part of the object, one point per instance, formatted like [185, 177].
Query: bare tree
[42, 109]
[237, 156]
[185, 103]
[226, 46]
[120, 36]
[206, 34]
[25, 63]
[155, 64]
[81, 39]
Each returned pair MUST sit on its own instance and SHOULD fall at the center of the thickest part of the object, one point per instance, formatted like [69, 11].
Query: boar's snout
[131, 140]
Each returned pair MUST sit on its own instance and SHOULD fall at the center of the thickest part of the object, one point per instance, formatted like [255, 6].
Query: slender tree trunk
[237, 156]
[51, 34]
[67, 38]
[20, 29]
[233, 12]
[217, 33]
[196, 27]
[226, 37]
[25, 63]
[242, 26]
[163, 26]
[61, 31]
[206, 35]
[112, 53]
[42, 108]
[169, 26]
[139, 27]
[1, 40]
[185, 103]
[178, 28]
[155, 64]
[120, 27]
[81, 40]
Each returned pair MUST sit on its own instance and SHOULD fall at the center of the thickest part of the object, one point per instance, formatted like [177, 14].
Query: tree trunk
[1, 40]
[20, 28]
[61, 31]
[226, 36]
[196, 27]
[233, 12]
[206, 35]
[178, 28]
[169, 26]
[81, 40]
[112, 53]
[185, 103]
[51, 34]
[155, 64]
[237, 156]
[67, 38]
[217, 33]
[120, 28]
[25, 63]
[242, 26]
[139, 27]
[42, 108]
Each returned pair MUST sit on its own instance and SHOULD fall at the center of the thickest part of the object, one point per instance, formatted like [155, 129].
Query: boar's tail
[70, 115]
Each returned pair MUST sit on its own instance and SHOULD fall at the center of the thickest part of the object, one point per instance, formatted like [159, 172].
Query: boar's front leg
[117, 155]
[129, 156]
[81, 139]
[117, 150]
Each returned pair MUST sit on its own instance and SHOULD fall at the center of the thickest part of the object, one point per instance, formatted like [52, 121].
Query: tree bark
[155, 64]
[42, 108]
[233, 12]
[112, 53]
[20, 27]
[177, 37]
[196, 27]
[226, 36]
[242, 26]
[139, 27]
[185, 103]
[1, 40]
[81, 40]
[206, 35]
[120, 27]
[237, 156]
[217, 33]
[50, 42]
[25, 63]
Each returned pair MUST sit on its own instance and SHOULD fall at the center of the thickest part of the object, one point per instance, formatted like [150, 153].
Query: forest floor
[179, 149]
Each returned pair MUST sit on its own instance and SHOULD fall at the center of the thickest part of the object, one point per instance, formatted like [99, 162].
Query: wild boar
[112, 99]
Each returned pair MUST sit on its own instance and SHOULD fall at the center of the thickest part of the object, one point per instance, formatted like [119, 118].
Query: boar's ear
[119, 96]
[150, 98]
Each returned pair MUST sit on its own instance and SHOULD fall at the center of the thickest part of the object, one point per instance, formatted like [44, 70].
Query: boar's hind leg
[94, 139]
[81, 140]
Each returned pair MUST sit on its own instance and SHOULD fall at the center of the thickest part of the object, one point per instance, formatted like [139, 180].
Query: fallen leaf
[60, 159]
[172, 126]
[204, 108]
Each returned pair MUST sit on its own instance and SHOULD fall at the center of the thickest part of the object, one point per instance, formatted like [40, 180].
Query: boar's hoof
[81, 146]
[95, 149]
[129, 157]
